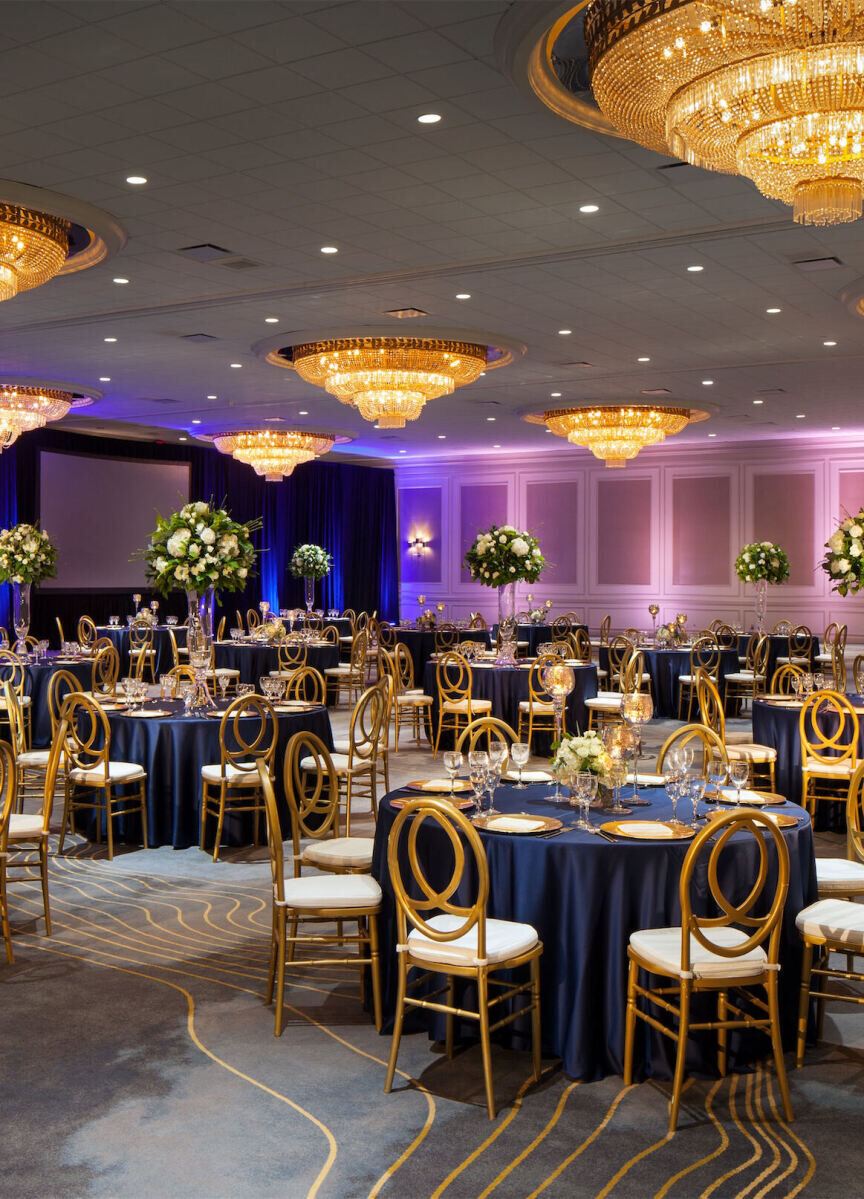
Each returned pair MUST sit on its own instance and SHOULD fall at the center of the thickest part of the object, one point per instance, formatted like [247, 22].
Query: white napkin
[753, 798]
[436, 785]
[649, 829]
[514, 824]
[647, 780]
[528, 776]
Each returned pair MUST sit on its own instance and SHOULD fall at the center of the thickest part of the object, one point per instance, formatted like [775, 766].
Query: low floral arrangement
[844, 562]
[762, 560]
[428, 620]
[537, 615]
[583, 752]
[26, 555]
[200, 547]
[504, 555]
[310, 562]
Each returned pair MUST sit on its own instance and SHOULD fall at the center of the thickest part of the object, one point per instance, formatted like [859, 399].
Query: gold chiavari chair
[726, 636]
[314, 791]
[489, 727]
[858, 673]
[314, 625]
[248, 732]
[843, 878]
[216, 673]
[355, 766]
[701, 740]
[142, 655]
[828, 728]
[350, 676]
[605, 626]
[87, 632]
[179, 653]
[307, 685]
[833, 653]
[320, 898]
[239, 618]
[728, 954]
[330, 634]
[60, 631]
[220, 632]
[13, 669]
[253, 620]
[410, 703]
[456, 705]
[33, 763]
[7, 803]
[477, 621]
[749, 681]
[385, 685]
[704, 655]
[799, 648]
[605, 707]
[350, 614]
[386, 635]
[292, 657]
[562, 627]
[782, 628]
[781, 680]
[446, 636]
[180, 674]
[580, 649]
[105, 672]
[537, 712]
[93, 780]
[838, 667]
[456, 938]
[760, 759]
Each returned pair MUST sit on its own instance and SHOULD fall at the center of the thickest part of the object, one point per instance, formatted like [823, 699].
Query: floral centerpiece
[584, 751]
[762, 562]
[310, 562]
[844, 561]
[27, 556]
[500, 557]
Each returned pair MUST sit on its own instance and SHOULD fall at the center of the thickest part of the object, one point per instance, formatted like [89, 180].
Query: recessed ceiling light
[136, 180]
[429, 118]
[271, 320]
[303, 412]
[835, 428]
[463, 295]
[120, 279]
[588, 208]
[707, 382]
[329, 249]
[547, 430]
[693, 269]
[829, 343]
[556, 395]
[482, 374]
[212, 397]
[110, 340]
[643, 359]
[800, 415]
[104, 378]
[496, 446]
[196, 422]
[758, 401]
[712, 434]
[442, 436]
[236, 366]
[773, 311]
[403, 451]
[564, 332]
[490, 418]
[182, 438]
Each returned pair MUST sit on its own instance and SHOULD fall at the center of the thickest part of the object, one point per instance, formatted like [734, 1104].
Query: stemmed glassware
[222, 681]
[583, 784]
[696, 790]
[675, 778]
[620, 743]
[797, 684]
[520, 751]
[478, 766]
[637, 708]
[498, 754]
[717, 773]
[136, 600]
[559, 680]
[452, 764]
[739, 772]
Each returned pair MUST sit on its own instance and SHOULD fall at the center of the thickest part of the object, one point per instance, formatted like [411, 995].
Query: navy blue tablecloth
[421, 646]
[664, 667]
[778, 647]
[164, 659]
[173, 750]
[507, 686]
[585, 897]
[253, 661]
[536, 634]
[36, 682]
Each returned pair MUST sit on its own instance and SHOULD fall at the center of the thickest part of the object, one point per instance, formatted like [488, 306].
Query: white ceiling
[272, 129]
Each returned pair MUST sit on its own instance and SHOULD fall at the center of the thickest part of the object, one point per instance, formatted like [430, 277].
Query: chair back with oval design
[350, 614]
[248, 732]
[828, 727]
[726, 636]
[307, 685]
[179, 675]
[781, 681]
[367, 718]
[711, 711]
[84, 727]
[13, 715]
[580, 643]
[239, 616]
[855, 816]
[361, 622]
[87, 633]
[631, 679]
[12, 668]
[701, 739]
[359, 650]
[605, 626]
[404, 664]
[620, 652]
[705, 653]
[537, 692]
[292, 655]
[562, 627]
[829, 635]
[105, 671]
[312, 792]
[800, 642]
[490, 727]
[61, 684]
[330, 634]
[453, 677]
[386, 635]
[446, 636]
[477, 621]
[757, 654]
[782, 628]
[253, 620]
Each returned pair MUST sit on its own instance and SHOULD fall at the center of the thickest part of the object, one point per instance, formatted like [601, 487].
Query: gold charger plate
[295, 706]
[517, 823]
[781, 819]
[438, 786]
[464, 805]
[150, 713]
[752, 799]
[648, 830]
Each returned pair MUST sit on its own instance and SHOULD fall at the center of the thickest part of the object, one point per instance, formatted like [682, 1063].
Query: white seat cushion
[839, 876]
[118, 772]
[604, 705]
[339, 670]
[332, 891]
[538, 705]
[689, 679]
[235, 775]
[340, 852]
[793, 661]
[413, 700]
[602, 674]
[842, 769]
[749, 752]
[824, 657]
[34, 758]
[284, 674]
[661, 947]
[23, 700]
[745, 676]
[504, 939]
[24, 827]
[835, 920]
[225, 671]
[738, 737]
[461, 705]
[340, 763]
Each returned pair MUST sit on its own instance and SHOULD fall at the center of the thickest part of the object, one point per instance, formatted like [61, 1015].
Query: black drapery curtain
[349, 510]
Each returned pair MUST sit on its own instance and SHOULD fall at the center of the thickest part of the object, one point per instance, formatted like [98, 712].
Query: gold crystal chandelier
[616, 432]
[769, 89]
[274, 453]
[389, 379]
[23, 409]
[33, 248]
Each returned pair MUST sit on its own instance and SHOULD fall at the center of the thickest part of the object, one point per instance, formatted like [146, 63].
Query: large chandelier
[389, 379]
[274, 453]
[33, 248]
[616, 432]
[769, 89]
[23, 409]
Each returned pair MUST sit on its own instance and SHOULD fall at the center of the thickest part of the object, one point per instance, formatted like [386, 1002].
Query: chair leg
[220, 820]
[144, 829]
[485, 1041]
[280, 969]
[451, 1003]
[777, 1044]
[4, 914]
[536, 1043]
[375, 967]
[205, 809]
[803, 1002]
[683, 1028]
[43, 871]
[722, 1034]
[630, 1027]
[397, 1024]
[109, 821]
[271, 965]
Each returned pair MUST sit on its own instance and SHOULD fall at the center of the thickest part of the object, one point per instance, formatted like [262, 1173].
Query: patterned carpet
[145, 1065]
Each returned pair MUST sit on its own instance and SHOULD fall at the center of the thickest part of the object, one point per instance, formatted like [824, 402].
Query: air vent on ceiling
[240, 264]
[818, 264]
[163, 401]
[198, 337]
[577, 363]
[206, 252]
[771, 391]
[405, 314]
[672, 166]
[657, 391]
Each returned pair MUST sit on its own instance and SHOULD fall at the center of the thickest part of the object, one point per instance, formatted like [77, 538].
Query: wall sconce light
[418, 546]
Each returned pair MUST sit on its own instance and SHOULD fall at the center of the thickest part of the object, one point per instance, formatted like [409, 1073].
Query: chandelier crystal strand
[274, 453]
[773, 91]
[389, 379]
[616, 433]
[33, 248]
[23, 409]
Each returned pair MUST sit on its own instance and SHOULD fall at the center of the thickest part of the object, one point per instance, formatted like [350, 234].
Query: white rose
[855, 549]
[242, 572]
[200, 508]
[208, 536]
[160, 564]
[481, 550]
[536, 552]
[835, 541]
[847, 523]
[843, 566]
[181, 573]
[512, 570]
[775, 562]
[767, 545]
[502, 540]
[745, 557]
[855, 530]
[495, 574]
[519, 547]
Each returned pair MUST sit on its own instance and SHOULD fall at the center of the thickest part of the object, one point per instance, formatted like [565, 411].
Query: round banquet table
[164, 659]
[173, 749]
[37, 678]
[535, 634]
[253, 661]
[585, 896]
[777, 724]
[421, 645]
[506, 687]
[777, 647]
[664, 667]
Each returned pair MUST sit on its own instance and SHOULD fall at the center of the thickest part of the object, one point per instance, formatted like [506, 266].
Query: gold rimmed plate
[528, 776]
[517, 823]
[781, 819]
[149, 713]
[298, 705]
[464, 805]
[750, 799]
[648, 830]
[438, 786]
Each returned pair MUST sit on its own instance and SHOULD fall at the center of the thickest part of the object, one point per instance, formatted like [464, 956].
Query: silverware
[565, 828]
[608, 836]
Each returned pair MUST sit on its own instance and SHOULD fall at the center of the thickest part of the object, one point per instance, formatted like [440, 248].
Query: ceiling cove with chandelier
[274, 454]
[616, 432]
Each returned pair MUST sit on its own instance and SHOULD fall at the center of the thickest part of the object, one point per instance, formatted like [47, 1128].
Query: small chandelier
[389, 379]
[23, 409]
[33, 248]
[274, 453]
[616, 432]
[769, 89]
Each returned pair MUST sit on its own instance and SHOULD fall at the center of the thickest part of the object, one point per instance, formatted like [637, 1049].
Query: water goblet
[588, 784]
[498, 753]
[717, 772]
[808, 683]
[520, 752]
[128, 686]
[673, 790]
[141, 691]
[113, 621]
[696, 791]
[818, 681]
[797, 684]
[477, 775]
[739, 772]
[187, 694]
[452, 763]
[166, 686]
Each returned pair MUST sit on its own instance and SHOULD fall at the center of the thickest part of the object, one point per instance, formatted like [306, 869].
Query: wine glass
[717, 772]
[797, 684]
[498, 753]
[520, 752]
[739, 772]
[696, 791]
[222, 681]
[187, 694]
[673, 790]
[452, 762]
[477, 773]
[818, 681]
